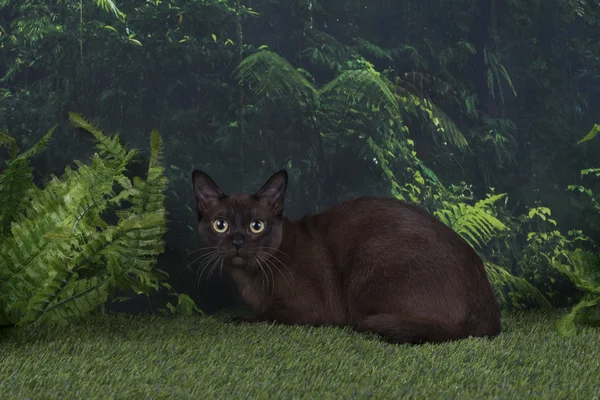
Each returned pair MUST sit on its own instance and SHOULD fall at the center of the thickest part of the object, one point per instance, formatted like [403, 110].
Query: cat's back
[388, 223]
[380, 214]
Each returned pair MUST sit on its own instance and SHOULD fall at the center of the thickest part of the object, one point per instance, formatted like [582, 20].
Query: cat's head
[242, 229]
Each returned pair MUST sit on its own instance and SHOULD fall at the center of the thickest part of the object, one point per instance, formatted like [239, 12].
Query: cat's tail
[420, 329]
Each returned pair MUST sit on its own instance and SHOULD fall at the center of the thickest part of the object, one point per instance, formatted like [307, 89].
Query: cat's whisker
[263, 272]
[277, 269]
[215, 263]
[201, 257]
[265, 254]
[205, 264]
[278, 250]
[197, 250]
[270, 271]
[269, 262]
[196, 259]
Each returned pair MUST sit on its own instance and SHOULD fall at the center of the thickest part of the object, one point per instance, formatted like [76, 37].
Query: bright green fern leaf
[474, 223]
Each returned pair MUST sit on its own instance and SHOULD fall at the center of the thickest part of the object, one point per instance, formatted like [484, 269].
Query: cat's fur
[376, 264]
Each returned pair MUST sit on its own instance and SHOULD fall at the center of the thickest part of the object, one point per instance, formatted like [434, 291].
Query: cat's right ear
[273, 191]
[207, 193]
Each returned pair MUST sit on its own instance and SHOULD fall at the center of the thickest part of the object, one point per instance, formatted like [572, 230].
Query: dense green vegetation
[155, 357]
[472, 109]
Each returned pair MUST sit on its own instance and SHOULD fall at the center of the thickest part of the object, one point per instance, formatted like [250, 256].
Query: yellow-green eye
[220, 225]
[257, 226]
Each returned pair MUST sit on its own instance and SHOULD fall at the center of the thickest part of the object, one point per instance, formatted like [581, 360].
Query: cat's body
[375, 264]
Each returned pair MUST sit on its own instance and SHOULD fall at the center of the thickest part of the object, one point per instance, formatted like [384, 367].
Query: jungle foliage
[471, 109]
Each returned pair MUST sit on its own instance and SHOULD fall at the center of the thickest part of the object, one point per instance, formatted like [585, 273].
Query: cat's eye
[257, 226]
[220, 225]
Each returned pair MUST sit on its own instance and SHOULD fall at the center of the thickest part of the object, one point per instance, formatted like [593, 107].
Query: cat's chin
[238, 261]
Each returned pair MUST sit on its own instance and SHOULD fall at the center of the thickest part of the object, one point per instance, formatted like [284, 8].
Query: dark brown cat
[376, 264]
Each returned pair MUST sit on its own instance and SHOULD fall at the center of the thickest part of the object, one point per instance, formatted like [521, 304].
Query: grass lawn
[150, 357]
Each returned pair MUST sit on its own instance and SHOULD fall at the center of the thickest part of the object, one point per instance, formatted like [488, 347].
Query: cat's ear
[273, 191]
[206, 191]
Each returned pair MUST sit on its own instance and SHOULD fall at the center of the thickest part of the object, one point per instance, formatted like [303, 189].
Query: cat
[376, 264]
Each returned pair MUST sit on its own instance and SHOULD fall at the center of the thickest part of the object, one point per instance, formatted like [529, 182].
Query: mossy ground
[150, 357]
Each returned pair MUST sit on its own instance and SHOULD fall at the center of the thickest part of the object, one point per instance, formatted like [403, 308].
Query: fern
[267, 73]
[436, 118]
[477, 226]
[583, 268]
[17, 181]
[7, 141]
[62, 259]
[519, 289]
[474, 223]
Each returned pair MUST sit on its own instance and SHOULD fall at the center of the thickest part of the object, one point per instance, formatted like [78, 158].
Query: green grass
[144, 357]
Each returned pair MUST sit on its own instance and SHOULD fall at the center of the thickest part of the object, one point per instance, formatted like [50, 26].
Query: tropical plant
[67, 246]
[582, 267]
[359, 110]
[477, 224]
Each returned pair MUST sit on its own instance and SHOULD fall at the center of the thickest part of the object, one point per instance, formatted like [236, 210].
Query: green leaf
[135, 41]
[592, 134]
[566, 325]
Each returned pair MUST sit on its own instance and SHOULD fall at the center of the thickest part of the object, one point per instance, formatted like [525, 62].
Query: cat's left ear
[273, 191]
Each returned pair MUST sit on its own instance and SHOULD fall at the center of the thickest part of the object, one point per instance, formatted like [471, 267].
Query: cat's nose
[238, 243]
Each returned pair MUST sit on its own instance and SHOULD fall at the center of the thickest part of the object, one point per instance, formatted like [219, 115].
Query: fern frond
[8, 141]
[583, 268]
[447, 128]
[519, 289]
[69, 294]
[360, 88]
[16, 182]
[474, 223]
[269, 74]
[110, 146]
[436, 117]
[140, 249]
[373, 49]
